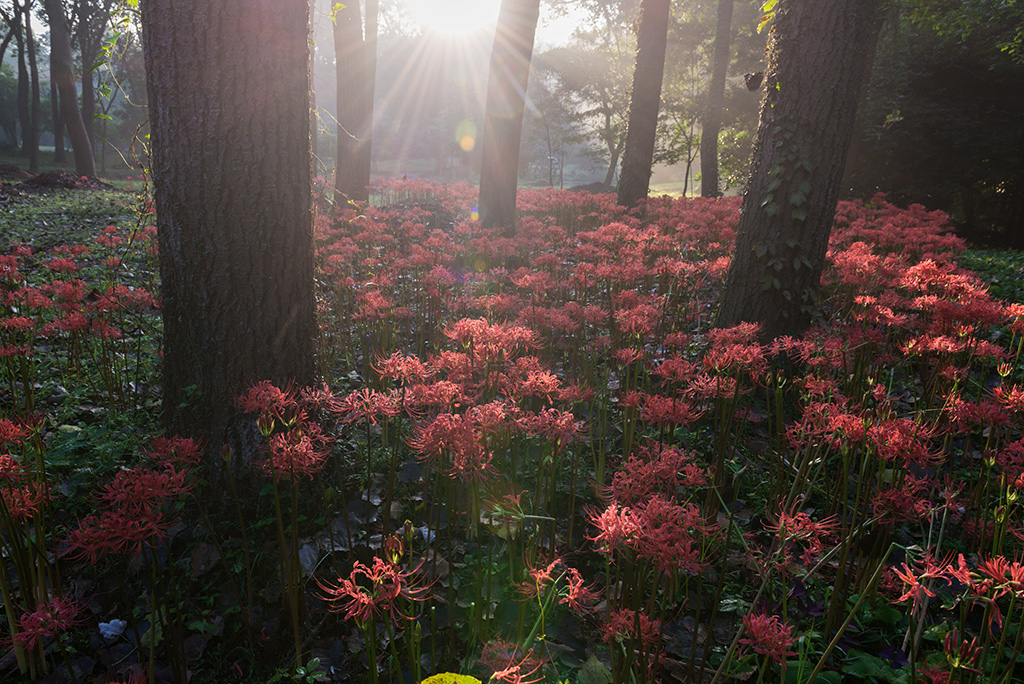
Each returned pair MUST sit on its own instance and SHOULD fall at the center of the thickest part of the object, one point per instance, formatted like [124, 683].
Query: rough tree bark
[712, 125]
[62, 73]
[644, 101]
[503, 122]
[355, 104]
[228, 86]
[818, 53]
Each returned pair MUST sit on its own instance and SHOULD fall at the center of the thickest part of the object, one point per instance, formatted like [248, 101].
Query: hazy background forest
[940, 121]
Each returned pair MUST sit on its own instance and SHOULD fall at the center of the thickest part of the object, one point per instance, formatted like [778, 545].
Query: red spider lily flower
[119, 532]
[560, 427]
[902, 502]
[24, 503]
[271, 403]
[656, 468]
[769, 637]
[459, 438]
[541, 578]
[366, 405]
[61, 265]
[616, 527]
[11, 470]
[915, 587]
[579, 597]
[502, 658]
[11, 433]
[933, 675]
[669, 412]
[576, 394]
[622, 627]
[671, 535]
[1012, 398]
[441, 394]
[58, 614]
[625, 357]
[405, 369]
[300, 450]
[143, 489]
[372, 592]
[961, 654]
[175, 451]
[799, 528]
[1008, 576]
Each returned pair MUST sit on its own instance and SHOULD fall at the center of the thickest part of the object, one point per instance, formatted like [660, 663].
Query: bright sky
[461, 17]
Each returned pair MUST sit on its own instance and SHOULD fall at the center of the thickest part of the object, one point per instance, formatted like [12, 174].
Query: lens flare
[465, 135]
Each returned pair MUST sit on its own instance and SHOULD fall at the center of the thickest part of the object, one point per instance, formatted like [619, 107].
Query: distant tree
[60, 155]
[62, 73]
[503, 122]
[645, 98]
[35, 110]
[89, 20]
[818, 53]
[592, 75]
[356, 63]
[919, 141]
[715, 103]
[232, 178]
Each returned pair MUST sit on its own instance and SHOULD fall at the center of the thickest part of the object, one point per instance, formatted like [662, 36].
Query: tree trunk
[35, 113]
[59, 155]
[817, 61]
[370, 56]
[352, 168]
[88, 102]
[613, 164]
[24, 113]
[62, 73]
[228, 86]
[715, 104]
[644, 101]
[503, 121]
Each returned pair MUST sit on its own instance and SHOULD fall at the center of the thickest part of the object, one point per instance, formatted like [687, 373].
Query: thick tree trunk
[62, 73]
[59, 155]
[228, 86]
[36, 114]
[644, 101]
[352, 168]
[503, 122]
[818, 55]
[712, 125]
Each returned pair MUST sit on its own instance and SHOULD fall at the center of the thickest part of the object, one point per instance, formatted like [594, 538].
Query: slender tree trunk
[644, 101]
[36, 114]
[503, 122]
[818, 54]
[59, 155]
[353, 138]
[231, 172]
[613, 164]
[709, 185]
[24, 113]
[62, 73]
[89, 101]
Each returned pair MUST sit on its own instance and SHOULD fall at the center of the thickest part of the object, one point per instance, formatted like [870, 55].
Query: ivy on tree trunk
[817, 57]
